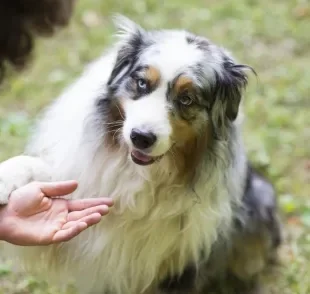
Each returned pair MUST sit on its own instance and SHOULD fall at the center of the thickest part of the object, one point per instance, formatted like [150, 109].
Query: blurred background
[271, 36]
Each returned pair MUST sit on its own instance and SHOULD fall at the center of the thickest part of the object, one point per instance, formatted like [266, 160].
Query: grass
[271, 36]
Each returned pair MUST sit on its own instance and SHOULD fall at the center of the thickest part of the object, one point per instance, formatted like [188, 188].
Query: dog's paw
[19, 171]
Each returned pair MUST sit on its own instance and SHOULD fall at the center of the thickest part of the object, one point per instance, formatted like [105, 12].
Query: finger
[55, 189]
[81, 204]
[76, 215]
[90, 220]
[69, 233]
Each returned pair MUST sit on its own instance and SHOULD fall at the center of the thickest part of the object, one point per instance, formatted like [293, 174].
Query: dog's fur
[196, 214]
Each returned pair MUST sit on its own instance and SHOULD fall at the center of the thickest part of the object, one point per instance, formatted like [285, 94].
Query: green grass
[271, 36]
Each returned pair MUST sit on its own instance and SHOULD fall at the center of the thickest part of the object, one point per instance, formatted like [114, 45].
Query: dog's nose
[142, 140]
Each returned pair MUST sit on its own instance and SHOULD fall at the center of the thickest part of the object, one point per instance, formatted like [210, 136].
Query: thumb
[56, 189]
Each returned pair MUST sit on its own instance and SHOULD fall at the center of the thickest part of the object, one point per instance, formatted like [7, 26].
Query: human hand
[34, 216]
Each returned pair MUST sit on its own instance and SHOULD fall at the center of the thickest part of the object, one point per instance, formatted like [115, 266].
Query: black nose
[142, 140]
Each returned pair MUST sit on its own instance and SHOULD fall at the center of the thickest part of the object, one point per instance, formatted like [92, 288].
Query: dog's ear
[125, 27]
[226, 89]
[227, 93]
[132, 38]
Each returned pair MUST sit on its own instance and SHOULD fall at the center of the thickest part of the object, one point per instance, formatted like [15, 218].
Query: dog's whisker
[114, 122]
[121, 114]
[111, 131]
[114, 125]
[118, 130]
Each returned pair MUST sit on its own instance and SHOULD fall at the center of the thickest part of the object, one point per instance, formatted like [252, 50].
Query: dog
[155, 123]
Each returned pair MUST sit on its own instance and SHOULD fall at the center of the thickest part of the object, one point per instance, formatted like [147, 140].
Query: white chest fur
[155, 228]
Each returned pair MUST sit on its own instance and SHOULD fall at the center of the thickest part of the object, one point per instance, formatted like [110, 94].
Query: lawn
[271, 36]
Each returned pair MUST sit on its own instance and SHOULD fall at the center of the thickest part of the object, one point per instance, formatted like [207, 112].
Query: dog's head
[170, 88]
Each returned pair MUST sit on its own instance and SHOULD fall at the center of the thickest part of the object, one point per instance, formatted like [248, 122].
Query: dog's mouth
[142, 158]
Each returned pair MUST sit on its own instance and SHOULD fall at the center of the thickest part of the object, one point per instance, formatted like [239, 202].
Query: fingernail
[83, 225]
[111, 202]
[104, 209]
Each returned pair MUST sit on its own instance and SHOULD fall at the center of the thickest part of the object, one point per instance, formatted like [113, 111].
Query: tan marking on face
[182, 131]
[188, 148]
[183, 83]
[153, 76]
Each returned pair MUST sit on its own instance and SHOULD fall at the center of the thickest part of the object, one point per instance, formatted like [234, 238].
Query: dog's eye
[186, 100]
[142, 84]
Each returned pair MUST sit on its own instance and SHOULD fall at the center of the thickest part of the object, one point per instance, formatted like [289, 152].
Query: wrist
[4, 223]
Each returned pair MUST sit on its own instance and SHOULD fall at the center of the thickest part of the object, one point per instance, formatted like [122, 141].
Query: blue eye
[142, 84]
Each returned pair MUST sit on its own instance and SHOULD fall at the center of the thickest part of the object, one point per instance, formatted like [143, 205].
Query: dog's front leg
[19, 171]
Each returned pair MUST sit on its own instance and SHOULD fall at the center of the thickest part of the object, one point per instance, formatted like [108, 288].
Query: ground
[271, 36]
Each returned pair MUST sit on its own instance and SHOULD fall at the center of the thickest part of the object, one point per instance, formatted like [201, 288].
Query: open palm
[36, 215]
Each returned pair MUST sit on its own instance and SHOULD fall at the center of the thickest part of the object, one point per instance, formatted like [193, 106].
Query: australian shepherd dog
[155, 124]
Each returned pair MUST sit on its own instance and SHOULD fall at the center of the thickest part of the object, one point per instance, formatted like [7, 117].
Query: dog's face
[169, 87]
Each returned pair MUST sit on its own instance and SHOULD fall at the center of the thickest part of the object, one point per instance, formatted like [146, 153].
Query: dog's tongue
[141, 156]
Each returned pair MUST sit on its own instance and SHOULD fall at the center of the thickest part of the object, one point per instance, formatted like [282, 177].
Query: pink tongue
[141, 156]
